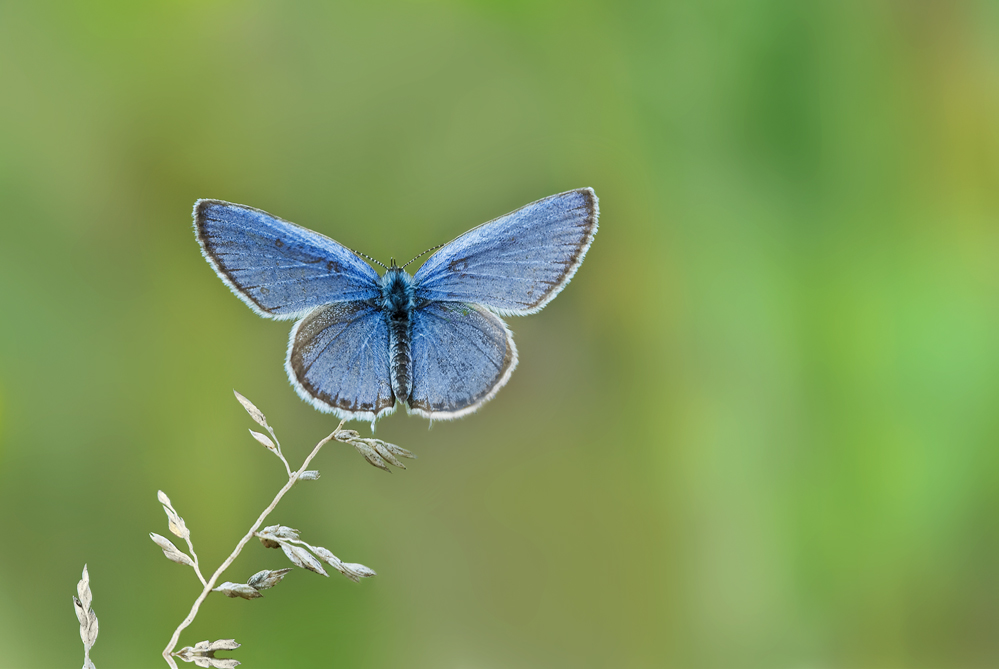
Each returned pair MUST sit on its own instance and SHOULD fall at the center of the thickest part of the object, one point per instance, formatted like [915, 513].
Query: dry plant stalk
[86, 616]
[301, 554]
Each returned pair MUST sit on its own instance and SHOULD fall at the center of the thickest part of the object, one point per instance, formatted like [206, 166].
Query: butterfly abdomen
[397, 304]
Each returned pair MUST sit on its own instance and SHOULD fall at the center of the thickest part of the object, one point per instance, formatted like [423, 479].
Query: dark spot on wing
[422, 405]
[278, 243]
[263, 291]
[459, 265]
[333, 266]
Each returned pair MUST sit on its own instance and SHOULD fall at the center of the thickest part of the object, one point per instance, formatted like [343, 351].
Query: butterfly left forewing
[461, 356]
[279, 269]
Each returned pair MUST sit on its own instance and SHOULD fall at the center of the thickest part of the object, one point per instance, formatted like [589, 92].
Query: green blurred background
[759, 429]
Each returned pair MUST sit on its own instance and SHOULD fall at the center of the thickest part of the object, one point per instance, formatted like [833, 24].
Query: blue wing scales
[338, 360]
[281, 270]
[462, 355]
[515, 264]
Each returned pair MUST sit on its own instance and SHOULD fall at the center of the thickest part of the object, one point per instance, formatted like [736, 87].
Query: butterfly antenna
[434, 248]
[367, 257]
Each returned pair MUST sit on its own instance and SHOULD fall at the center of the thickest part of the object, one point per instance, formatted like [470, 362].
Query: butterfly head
[397, 290]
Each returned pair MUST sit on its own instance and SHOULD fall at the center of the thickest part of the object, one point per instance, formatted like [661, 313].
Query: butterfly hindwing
[517, 263]
[462, 354]
[338, 360]
[281, 270]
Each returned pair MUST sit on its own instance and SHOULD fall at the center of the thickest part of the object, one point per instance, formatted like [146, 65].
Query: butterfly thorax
[397, 304]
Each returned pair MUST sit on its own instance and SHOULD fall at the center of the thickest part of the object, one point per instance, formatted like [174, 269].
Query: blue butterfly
[433, 341]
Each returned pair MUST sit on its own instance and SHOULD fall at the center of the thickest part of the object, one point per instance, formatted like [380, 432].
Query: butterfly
[433, 341]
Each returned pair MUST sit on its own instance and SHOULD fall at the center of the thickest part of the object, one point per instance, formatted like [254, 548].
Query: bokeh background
[759, 429]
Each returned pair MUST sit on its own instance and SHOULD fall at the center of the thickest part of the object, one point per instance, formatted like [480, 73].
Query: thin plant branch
[277, 445]
[292, 480]
[301, 553]
[194, 556]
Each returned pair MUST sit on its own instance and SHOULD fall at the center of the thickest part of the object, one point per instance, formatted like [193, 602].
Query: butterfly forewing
[281, 270]
[338, 359]
[462, 354]
[517, 263]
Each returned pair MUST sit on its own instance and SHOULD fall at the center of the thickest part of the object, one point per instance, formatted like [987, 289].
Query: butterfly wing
[281, 270]
[338, 361]
[462, 355]
[517, 263]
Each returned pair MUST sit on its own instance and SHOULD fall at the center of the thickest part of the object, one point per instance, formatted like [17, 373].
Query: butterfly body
[432, 341]
[397, 303]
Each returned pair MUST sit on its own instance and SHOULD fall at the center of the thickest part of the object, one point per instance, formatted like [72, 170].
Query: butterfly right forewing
[515, 264]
